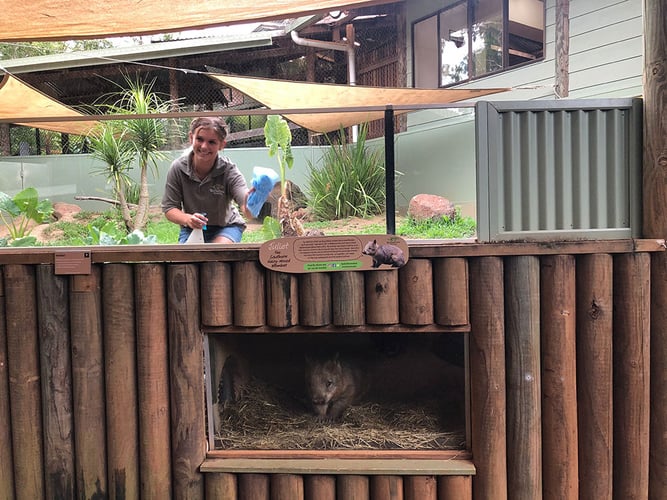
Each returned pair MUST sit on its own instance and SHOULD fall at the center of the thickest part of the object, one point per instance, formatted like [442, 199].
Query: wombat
[332, 385]
[384, 254]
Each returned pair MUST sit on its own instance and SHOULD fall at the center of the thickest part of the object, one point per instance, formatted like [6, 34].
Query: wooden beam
[562, 56]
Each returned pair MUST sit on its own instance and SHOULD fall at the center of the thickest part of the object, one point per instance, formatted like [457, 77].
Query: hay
[269, 418]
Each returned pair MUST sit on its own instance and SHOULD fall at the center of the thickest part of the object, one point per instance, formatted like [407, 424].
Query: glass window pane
[526, 31]
[425, 53]
[487, 37]
[454, 44]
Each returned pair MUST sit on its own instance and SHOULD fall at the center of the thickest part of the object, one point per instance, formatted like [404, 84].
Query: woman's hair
[217, 124]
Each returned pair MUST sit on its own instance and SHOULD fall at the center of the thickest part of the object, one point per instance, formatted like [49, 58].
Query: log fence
[102, 375]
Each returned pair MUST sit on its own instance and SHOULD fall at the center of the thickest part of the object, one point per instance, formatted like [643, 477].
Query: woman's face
[206, 144]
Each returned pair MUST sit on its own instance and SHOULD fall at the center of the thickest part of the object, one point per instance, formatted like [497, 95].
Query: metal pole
[389, 170]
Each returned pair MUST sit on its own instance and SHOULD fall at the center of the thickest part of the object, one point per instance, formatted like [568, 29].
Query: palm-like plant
[141, 138]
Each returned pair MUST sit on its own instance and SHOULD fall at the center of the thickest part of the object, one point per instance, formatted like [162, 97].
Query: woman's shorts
[233, 232]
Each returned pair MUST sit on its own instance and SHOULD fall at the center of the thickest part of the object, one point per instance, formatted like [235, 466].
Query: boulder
[430, 206]
[294, 194]
[65, 211]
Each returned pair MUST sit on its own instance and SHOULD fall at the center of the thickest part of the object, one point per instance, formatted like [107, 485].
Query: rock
[294, 195]
[65, 211]
[430, 206]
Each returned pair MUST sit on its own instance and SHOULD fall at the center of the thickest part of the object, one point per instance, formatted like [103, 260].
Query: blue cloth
[263, 181]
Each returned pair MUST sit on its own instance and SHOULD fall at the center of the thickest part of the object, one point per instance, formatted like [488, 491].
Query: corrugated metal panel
[558, 169]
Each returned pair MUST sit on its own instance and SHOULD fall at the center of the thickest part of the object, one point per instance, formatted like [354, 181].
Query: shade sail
[18, 100]
[288, 95]
[81, 19]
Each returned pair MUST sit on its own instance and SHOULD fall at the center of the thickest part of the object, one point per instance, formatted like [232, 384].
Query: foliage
[119, 143]
[442, 228]
[14, 50]
[270, 228]
[18, 212]
[351, 181]
[278, 139]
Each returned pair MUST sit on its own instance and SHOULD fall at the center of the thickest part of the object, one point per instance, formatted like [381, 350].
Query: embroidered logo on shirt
[217, 189]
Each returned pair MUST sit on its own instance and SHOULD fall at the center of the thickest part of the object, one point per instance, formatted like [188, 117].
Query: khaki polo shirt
[213, 195]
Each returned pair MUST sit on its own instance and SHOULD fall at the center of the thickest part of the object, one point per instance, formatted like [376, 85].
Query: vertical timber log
[349, 303]
[450, 291]
[658, 446]
[381, 297]
[88, 384]
[559, 378]
[216, 293]
[415, 283]
[631, 374]
[420, 488]
[315, 299]
[56, 370]
[121, 380]
[186, 362]
[319, 487]
[594, 375]
[24, 380]
[249, 308]
[524, 430]
[221, 485]
[349, 486]
[455, 488]
[487, 378]
[253, 486]
[386, 487]
[282, 299]
[655, 226]
[286, 487]
[153, 380]
[6, 460]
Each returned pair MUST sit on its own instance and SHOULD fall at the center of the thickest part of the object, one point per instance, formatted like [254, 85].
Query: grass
[75, 233]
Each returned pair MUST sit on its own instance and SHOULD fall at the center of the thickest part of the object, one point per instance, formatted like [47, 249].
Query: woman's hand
[197, 221]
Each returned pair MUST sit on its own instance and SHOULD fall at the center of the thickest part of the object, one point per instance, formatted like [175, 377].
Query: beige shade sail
[288, 95]
[90, 19]
[18, 100]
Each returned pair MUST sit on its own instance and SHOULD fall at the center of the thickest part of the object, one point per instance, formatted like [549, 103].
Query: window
[474, 38]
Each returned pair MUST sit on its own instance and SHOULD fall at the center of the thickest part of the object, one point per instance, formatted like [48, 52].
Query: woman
[201, 187]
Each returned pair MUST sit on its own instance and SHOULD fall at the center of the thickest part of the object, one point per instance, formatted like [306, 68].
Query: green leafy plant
[440, 228]
[350, 182]
[18, 212]
[278, 138]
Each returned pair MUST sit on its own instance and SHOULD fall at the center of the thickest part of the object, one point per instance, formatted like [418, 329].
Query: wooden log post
[221, 485]
[386, 487]
[415, 283]
[6, 459]
[249, 300]
[487, 378]
[319, 487]
[286, 487]
[655, 226]
[559, 378]
[254, 486]
[658, 446]
[216, 293]
[420, 488]
[382, 297]
[282, 299]
[186, 363]
[455, 488]
[24, 380]
[594, 375]
[56, 372]
[315, 307]
[631, 373]
[153, 380]
[121, 380]
[88, 384]
[349, 303]
[522, 327]
[353, 486]
[450, 291]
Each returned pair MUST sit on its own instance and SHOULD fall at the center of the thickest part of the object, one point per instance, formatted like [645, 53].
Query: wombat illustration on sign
[384, 254]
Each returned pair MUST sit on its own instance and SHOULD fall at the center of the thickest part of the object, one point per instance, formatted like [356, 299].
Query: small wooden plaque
[310, 254]
[72, 262]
